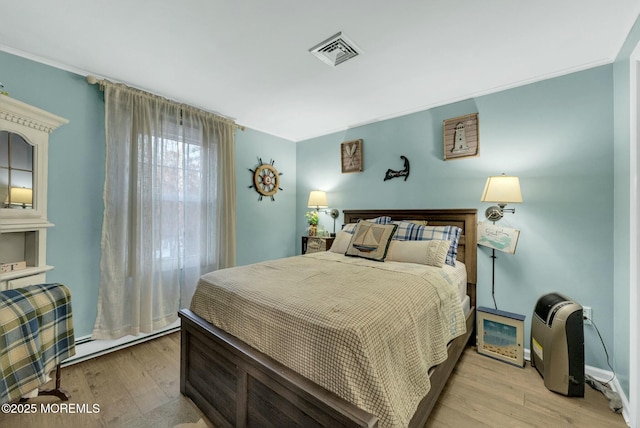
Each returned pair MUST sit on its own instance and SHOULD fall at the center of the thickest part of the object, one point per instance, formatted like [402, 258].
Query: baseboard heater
[87, 348]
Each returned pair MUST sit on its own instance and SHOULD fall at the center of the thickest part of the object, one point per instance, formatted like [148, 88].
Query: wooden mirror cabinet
[24, 144]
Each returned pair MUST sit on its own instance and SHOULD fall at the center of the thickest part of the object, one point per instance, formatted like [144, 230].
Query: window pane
[193, 179]
[21, 188]
[4, 186]
[21, 153]
[4, 149]
[21, 179]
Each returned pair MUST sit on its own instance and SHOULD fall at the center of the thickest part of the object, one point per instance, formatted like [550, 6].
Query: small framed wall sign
[461, 137]
[351, 156]
[499, 238]
[501, 335]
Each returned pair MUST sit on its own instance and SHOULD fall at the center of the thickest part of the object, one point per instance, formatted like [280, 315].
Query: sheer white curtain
[169, 209]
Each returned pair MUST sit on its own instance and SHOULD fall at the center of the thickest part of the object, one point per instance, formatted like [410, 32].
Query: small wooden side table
[314, 244]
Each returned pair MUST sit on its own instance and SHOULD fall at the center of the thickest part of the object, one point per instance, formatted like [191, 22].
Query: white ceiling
[249, 59]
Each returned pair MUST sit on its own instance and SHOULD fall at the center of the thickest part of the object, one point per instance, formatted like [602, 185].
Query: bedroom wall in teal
[556, 135]
[266, 229]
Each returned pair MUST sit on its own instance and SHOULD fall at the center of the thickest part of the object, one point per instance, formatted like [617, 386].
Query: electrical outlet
[586, 315]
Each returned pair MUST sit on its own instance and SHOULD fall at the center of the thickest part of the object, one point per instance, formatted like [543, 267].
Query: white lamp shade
[317, 199]
[502, 189]
[21, 195]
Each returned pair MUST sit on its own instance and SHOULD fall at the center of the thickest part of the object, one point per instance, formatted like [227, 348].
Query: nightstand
[314, 244]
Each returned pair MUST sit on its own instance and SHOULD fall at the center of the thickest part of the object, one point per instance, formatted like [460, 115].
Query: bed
[235, 384]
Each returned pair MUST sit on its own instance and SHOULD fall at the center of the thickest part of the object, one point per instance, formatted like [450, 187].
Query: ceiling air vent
[335, 50]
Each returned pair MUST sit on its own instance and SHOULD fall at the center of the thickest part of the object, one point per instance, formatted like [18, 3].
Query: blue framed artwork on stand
[501, 335]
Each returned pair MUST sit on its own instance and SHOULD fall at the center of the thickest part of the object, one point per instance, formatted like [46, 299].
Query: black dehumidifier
[557, 344]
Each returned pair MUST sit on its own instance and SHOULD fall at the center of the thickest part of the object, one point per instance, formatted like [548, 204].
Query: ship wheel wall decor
[266, 179]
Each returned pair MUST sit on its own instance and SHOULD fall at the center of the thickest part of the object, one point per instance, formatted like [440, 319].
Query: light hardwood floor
[139, 387]
[483, 392]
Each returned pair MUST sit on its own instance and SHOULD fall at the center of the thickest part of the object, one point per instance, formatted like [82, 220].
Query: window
[177, 176]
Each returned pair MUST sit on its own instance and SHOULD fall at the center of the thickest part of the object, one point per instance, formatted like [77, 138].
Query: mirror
[16, 171]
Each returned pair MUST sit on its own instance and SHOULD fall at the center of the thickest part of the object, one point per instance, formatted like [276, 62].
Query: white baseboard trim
[603, 376]
[87, 348]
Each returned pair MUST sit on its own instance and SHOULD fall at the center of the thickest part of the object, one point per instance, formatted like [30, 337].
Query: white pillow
[432, 253]
[341, 243]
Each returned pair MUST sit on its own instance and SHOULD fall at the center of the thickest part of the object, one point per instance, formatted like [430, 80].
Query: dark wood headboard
[466, 219]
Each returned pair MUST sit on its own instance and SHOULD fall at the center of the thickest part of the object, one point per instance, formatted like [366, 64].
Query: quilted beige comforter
[368, 331]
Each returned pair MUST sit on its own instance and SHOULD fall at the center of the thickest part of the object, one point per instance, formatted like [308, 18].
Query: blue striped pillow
[408, 231]
[380, 220]
[351, 227]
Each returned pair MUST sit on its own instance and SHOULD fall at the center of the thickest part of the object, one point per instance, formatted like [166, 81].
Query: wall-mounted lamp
[502, 190]
[318, 200]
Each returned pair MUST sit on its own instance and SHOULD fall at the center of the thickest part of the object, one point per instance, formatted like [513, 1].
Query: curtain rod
[93, 80]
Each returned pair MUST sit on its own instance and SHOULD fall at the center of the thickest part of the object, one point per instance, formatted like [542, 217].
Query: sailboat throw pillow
[371, 240]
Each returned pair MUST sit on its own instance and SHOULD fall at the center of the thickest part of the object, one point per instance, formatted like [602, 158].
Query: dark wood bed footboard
[238, 386]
